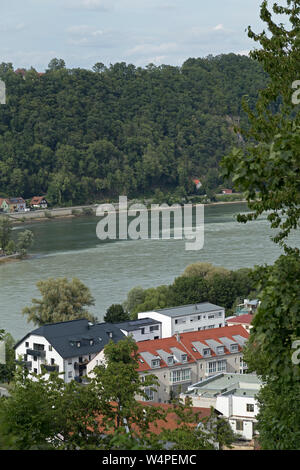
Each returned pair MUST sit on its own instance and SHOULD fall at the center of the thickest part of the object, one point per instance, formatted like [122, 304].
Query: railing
[35, 352]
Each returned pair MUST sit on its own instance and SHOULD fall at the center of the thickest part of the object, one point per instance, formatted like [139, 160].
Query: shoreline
[66, 212]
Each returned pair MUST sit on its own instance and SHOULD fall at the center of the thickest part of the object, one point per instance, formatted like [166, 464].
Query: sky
[139, 32]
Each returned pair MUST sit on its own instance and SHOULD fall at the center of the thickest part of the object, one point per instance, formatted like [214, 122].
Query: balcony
[51, 367]
[80, 365]
[35, 352]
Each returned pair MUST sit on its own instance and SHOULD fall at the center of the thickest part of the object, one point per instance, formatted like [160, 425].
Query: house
[14, 204]
[226, 191]
[144, 329]
[197, 183]
[187, 358]
[244, 320]
[233, 395]
[65, 347]
[39, 202]
[185, 318]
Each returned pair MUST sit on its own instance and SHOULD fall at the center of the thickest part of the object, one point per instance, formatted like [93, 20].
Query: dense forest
[81, 136]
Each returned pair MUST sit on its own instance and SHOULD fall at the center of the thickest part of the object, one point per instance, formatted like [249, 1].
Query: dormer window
[206, 352]
[170, 360]
[91, 342]
[78, 344]
[234, 347]
[184, 358]
[220, 350]
[155, 362]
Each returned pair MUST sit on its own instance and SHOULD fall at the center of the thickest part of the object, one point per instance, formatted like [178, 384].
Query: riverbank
[83, 211]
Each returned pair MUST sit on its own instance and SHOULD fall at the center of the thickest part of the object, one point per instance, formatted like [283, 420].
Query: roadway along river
[69, 248]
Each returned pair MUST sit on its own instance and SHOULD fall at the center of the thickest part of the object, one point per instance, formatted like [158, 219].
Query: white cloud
[103, 5]
[153, 49]
[219, 27]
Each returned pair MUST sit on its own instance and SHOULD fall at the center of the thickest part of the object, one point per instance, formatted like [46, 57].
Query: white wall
[166, 328]
[234, 407]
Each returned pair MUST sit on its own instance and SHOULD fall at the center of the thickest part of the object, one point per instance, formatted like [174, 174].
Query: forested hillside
[82, 135]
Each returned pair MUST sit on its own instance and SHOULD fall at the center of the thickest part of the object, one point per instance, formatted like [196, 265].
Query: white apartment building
[143, 329]
[186, 318]
[233, 395]
[65, 347]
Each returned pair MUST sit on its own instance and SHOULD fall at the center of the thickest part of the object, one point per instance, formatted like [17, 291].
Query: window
[250, 407]
[180, 375]
[239, 425]
[221, 366]
[150, 394]
[35, 371]
[211, 367]
[176, 321]
[70, 374]
[49, 347]
[210, 316]
[184, 357]
[52, 361]
[206, 352]
[155, 363]
[70, 361]
[220, 314]
[154, 328]
[142, 331]
[170, 360]
[27, 344]
[78, 344]
[35, 358]
[220, 350]
[234, 347]
[91, 342]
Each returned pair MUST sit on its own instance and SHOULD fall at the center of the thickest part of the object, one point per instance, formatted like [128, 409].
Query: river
[70, 248]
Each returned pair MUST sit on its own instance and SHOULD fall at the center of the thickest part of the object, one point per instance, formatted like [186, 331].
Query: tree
[267, 170]
[5, 232]
[7, 369]
[62, 300]
[116, 313]
[25, 240]
[205, 270]
[56, 64]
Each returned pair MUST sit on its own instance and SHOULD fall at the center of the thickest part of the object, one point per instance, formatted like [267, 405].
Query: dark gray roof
[136, 324]
[191, 309]
[61, 335]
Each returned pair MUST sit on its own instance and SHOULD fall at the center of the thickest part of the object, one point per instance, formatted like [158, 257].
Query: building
[39, 202]
[226, 191]
[182, 319]
[143, 329]
[197, 183]
[244, 320]
[233, 395]
[185, 359]
[14, 204]
[65, 347]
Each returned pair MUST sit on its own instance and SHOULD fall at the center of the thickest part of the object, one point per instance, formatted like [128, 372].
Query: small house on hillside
[39, 202]
[197, 183]
[13, 204]
[226, 191]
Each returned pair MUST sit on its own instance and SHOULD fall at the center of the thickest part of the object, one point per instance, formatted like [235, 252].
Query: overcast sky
[83, 32]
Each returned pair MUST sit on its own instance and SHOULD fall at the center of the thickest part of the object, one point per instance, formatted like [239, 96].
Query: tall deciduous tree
[267, 170]
[62, 300]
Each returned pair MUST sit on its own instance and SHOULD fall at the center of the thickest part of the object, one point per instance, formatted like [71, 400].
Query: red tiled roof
[246, 318]
[37, 199]
[185, 344]
[171, 419]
